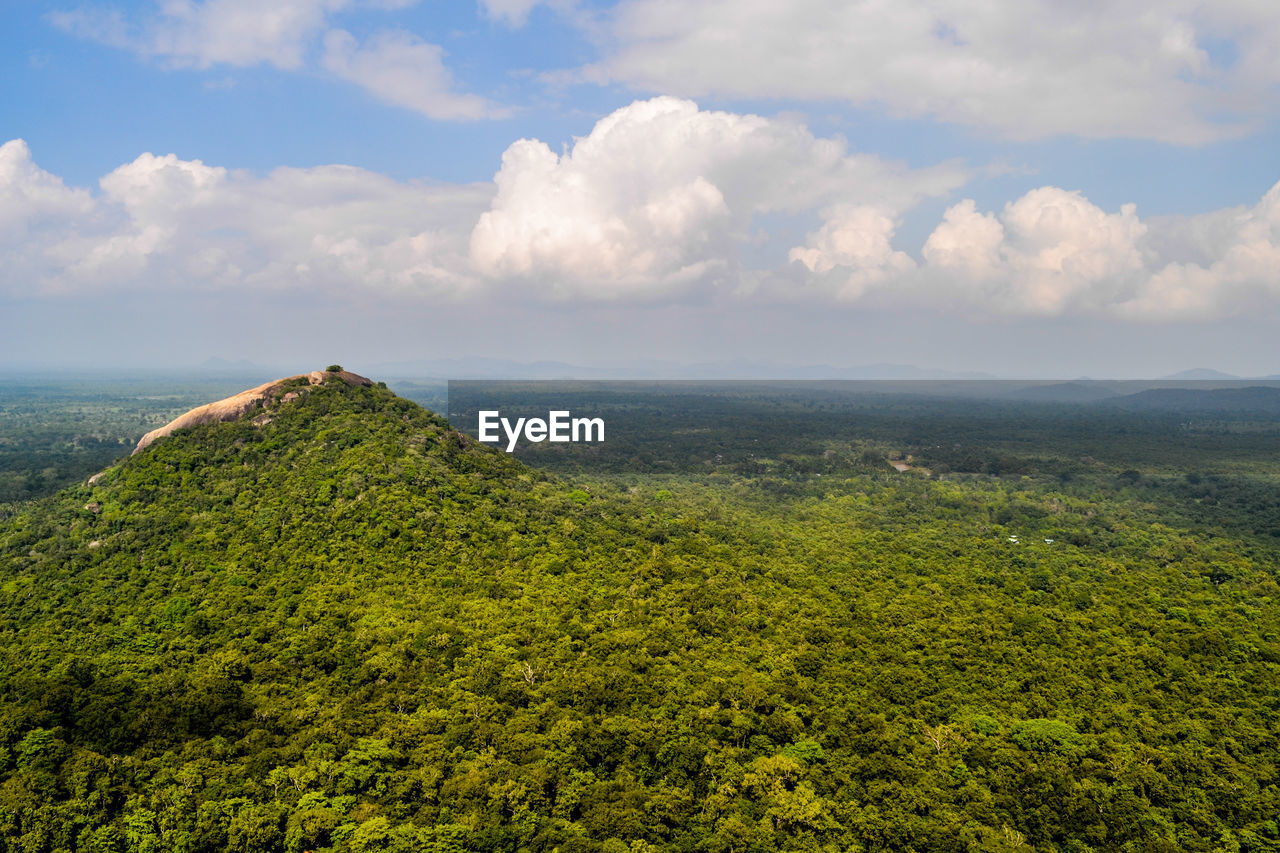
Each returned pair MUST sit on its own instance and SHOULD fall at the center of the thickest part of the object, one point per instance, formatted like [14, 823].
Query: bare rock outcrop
[234, 407]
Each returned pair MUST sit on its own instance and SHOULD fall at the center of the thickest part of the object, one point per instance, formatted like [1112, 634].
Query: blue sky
[1034, 188]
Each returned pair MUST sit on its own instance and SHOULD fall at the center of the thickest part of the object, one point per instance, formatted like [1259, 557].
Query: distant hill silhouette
[1254, 398]
[1200, 373]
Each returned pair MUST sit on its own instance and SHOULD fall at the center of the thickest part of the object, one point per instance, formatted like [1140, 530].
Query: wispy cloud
[400, 69]
[190, 34]
[394, 66]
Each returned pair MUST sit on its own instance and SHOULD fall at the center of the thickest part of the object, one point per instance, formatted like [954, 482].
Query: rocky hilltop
[264, 396]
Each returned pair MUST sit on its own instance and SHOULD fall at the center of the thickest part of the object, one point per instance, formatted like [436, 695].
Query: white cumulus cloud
[39, 215]
[1052, 252]
[31, 198]
[1239, 267]
[661, 194]
[852, 251]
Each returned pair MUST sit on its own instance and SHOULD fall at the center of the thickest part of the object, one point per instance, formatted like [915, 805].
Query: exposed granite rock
[234, 407]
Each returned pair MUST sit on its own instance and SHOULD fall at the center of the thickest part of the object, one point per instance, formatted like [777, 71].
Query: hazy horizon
[489, 368]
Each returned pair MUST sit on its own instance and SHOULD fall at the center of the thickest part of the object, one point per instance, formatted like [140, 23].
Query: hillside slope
[349, 627]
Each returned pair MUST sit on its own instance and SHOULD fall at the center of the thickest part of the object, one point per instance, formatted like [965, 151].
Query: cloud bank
[163, 223]
[1183, 71]
[661, 201]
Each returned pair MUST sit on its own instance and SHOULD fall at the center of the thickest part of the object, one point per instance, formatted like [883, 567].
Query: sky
[1026, 188]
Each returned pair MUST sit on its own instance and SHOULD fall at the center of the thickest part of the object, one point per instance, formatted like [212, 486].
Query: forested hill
[1253, 399]
[347, 627]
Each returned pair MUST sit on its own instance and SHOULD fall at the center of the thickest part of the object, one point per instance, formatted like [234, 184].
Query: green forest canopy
[352, 628]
